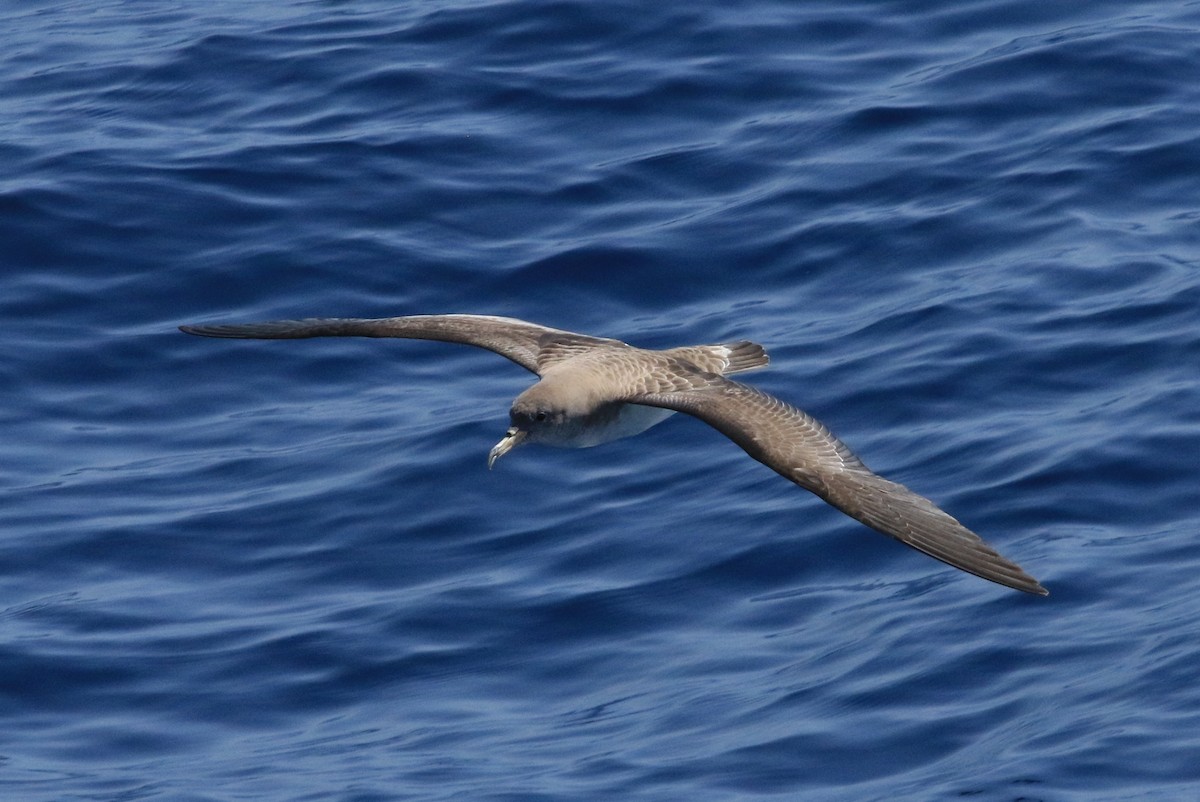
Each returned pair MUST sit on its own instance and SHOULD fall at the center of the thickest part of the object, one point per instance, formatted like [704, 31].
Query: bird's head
[537, 415]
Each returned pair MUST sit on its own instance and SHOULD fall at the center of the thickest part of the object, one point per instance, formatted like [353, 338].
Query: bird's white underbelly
[631, 419]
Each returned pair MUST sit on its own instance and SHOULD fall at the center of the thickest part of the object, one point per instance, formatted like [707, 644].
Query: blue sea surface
[968, 233]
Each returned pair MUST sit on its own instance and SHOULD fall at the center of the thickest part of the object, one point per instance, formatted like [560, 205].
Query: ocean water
[968, 233]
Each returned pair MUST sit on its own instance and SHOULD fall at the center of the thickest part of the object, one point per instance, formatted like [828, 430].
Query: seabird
[593, 390]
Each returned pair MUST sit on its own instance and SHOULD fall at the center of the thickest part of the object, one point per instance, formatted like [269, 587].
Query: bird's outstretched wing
[518, 340]
[797, 446]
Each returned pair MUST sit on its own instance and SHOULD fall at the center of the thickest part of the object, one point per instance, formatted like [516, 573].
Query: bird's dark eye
[540, 416]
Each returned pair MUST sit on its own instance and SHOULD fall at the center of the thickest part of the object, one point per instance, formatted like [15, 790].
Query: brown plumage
[594, 390]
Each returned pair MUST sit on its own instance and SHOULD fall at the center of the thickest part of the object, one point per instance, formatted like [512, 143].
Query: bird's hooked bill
[512, 438]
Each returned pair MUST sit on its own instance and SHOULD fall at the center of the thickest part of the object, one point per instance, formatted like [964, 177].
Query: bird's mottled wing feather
[800, 448]
[561, 346]
[518, 340]
[723, 359]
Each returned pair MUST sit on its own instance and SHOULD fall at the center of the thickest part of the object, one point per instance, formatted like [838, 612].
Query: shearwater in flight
[593, 390]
